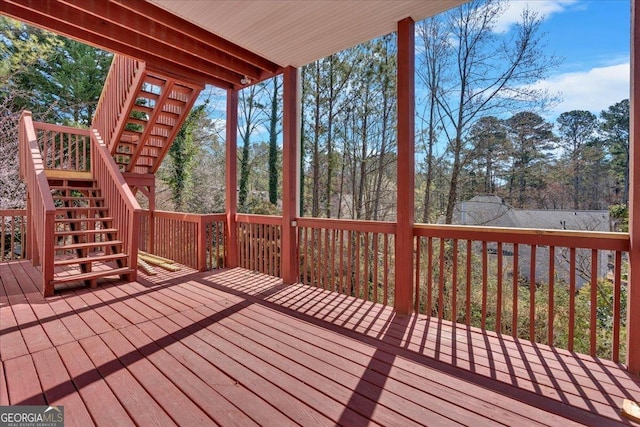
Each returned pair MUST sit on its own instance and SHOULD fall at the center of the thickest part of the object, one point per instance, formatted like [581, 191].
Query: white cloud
[545, 8]
[593, 90]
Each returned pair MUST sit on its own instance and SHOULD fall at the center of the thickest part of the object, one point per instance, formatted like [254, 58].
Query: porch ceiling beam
[164, 36]
[67, 26]
[142, 30]
[163, 17]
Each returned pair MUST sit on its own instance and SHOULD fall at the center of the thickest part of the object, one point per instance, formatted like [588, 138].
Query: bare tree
[492, 74]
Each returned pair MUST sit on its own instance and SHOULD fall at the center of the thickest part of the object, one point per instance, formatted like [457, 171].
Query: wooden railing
[40, 208]
[259, 243]
[63, 147]
[562, 288]
[13, 228]
[122, 205]
[197, 241]
[125, 76]
[350, 257]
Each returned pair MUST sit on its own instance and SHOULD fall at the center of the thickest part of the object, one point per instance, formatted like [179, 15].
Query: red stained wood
[141, 406]
[278, 355]
[59, 389]
[22, 382]
[4, 393]
[167, 394]
[290, 175]
[405, 167]
[231, 177]
[102, 404]
[633, 298]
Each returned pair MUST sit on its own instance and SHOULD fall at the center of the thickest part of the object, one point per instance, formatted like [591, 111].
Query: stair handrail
[41, 210]
[122, 204]
[116, 100]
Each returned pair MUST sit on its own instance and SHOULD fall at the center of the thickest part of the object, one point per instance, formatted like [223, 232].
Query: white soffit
[298, 32]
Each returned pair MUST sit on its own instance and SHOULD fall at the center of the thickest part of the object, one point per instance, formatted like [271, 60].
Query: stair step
[74, 246]
[76, 198]
[142, 109]
[86, 232]
[148, 95]
[153, 80]
[67, 188]
[88, 259]
[91, 275]
[90, 219]
[63, 209]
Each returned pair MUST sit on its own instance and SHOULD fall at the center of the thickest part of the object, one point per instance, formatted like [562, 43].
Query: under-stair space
[161, 105]
[87, 246]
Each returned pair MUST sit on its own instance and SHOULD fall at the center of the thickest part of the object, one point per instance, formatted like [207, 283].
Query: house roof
[224, 43]
[489, 210]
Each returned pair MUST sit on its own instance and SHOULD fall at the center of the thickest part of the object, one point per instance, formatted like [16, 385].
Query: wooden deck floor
[238, 348]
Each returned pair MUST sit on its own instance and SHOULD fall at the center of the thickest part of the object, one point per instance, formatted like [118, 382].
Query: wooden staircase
[82, 215]
[151, 112]
[86, 245]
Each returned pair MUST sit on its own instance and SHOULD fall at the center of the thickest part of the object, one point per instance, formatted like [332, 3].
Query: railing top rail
[38, 163]
[348, 224]
[13, 212]
[112, 74]
[60, 128]
[187, 217]
[101, 150]
[259, 219]
[562, 238]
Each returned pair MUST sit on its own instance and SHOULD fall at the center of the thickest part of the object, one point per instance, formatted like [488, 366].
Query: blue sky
[593, 37]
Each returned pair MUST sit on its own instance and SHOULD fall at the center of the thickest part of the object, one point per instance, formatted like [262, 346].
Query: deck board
[233, 347]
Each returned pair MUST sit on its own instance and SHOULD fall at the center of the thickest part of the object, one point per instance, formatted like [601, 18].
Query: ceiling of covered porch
[225, 43]
[296, 33]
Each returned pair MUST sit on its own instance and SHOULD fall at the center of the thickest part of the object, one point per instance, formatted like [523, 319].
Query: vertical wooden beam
[633, 301]
[290, 175]
[406, 167]
[231, 199]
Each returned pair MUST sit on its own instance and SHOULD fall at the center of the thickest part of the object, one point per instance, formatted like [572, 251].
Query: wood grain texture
[234, 347]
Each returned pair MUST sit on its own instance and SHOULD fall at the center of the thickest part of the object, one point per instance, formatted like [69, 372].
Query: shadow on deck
[233, 347]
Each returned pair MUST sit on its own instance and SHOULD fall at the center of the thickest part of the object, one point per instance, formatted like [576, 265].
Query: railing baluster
[485, 268]
[349, 263]
[430, 272]
[416, 302]
[357, 264]
[375, 267]
[454, 283]
[617, 309]
[594, 302]
[499, 288]
[468, 288]
[441, 280]
[572, 296]
[386, 269]
[552, 274]
[532, 294]
[333, 260]
[516, 277]
[325, 275]
[341, 237]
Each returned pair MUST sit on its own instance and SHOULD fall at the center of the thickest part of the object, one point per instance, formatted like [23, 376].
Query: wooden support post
[290, 176]
[403, 301]
[633, 300]
[231, 199]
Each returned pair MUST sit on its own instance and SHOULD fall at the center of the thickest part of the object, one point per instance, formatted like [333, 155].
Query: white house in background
[490, 210]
